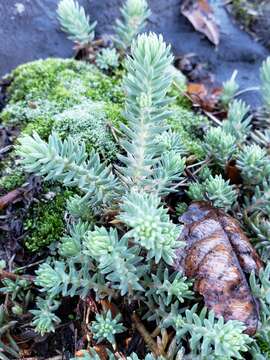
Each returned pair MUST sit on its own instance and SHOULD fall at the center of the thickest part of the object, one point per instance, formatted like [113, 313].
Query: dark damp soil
[29, 30]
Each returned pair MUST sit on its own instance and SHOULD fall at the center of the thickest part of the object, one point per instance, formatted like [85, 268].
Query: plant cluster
[105, 327]
[210, 338]
[121, 261]
[116, 176]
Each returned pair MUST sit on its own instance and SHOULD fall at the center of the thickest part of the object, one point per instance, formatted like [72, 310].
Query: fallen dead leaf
[201, 16]
[203, 97]
[216, 255]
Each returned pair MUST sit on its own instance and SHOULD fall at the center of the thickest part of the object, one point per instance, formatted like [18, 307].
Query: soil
[29, 30]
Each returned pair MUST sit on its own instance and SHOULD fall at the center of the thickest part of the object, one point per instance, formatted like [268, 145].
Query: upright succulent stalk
[146, 84]
[75, 22]
[146, 170]
[134, 15]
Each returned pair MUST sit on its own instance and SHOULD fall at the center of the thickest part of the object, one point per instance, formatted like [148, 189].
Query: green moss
[114, 114]
[30, 116]
[63, 81]
[90, 122]
[45, 223]
[42, 126]
[44, 88]
[11, 179]
[190, 127]
[180, 99]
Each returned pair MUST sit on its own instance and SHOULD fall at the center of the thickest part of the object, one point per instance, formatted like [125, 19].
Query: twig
[212, 117]
[182, 183]
[28, 266]
[197, 164]
[146, 336]
[201, 167]
[156, 332]
[9, 275]
[10, 197]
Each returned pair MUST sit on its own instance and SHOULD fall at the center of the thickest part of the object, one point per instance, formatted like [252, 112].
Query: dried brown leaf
[216, 255]
[201, 16]
[203, 96]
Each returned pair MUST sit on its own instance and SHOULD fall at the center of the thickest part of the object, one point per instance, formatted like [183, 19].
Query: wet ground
[29, 30]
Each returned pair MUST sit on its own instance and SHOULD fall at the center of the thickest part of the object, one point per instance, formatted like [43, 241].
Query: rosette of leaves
[216, 189]
[169, 287]
[230, 88]
[119, 263]
[219, 145]
[44, 318]
[107, 59]
[253, 161]
[70, 245]
[238, 120]
[150, 225]
[105, 327]
[260, 226]
[16, 288]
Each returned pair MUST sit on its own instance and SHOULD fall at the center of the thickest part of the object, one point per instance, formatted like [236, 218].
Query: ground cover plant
[122, 208]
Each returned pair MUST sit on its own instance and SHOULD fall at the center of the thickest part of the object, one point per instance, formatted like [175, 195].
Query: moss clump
[89, 122]
[180, 99]
[11, 179]
[63, 81]
[191, 128]
[44, 88]
[31, 115]
[45, 223]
